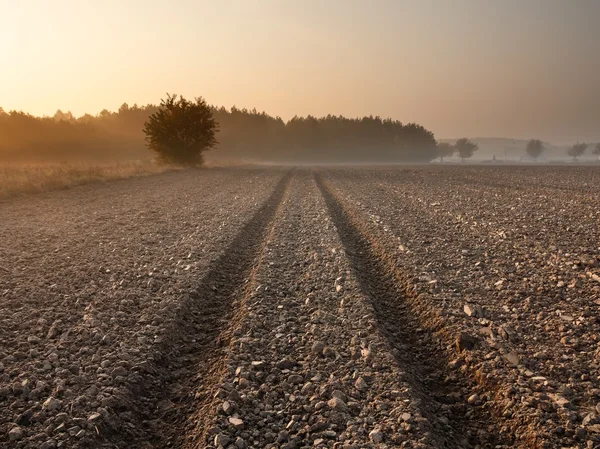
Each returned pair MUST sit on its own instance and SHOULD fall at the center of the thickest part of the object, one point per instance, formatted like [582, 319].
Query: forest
[244, 135]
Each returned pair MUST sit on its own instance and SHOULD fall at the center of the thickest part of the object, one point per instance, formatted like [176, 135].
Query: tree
[181, 130]
[63, 116]
[597, 151]
[577, 150]
[465, 148]
[445, 149]
[535, 148]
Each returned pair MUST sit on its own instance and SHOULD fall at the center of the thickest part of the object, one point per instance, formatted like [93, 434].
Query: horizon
[439, 138]
[519, 69]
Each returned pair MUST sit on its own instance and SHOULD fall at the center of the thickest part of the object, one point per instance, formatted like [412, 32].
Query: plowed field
[448, 307]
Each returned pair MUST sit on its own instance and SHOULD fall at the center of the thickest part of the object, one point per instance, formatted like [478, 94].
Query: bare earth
[433, 307]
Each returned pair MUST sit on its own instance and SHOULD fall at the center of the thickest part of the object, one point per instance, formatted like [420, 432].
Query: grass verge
[16, 179]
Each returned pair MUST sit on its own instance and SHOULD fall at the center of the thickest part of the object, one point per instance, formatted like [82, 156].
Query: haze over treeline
[246, 135]
[513, 68]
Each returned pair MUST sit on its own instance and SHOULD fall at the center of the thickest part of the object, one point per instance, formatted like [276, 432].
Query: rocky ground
[278, 308]
[512, 257]
[90, 283]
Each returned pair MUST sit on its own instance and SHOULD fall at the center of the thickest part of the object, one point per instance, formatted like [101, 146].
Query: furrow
[308, 365]
[447, 397]
[163, 404]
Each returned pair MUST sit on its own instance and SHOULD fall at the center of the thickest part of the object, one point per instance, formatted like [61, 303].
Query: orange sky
[515, 68]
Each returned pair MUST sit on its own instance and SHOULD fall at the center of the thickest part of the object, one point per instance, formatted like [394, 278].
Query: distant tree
[577, 150]
[597, 150]
[181, 130]
[465, 148]
[445, 149]
[535, 148]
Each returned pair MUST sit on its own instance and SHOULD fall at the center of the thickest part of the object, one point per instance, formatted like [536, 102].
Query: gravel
[335, 308]
[314, 342]
[506, 256]
[89, 282]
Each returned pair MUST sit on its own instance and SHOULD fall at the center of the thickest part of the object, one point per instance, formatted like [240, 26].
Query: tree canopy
[465, 148]
[577, 150]
[250, 134]
[445, 149]
[180, 131]
[535, 148]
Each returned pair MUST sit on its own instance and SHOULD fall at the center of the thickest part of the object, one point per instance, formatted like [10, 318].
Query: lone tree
[465, 148]
[535, 148]
[181, 130]
[577, 150]
[597, 150]
[445, 150]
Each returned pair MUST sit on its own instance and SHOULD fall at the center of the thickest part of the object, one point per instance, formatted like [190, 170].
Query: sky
[477, 68]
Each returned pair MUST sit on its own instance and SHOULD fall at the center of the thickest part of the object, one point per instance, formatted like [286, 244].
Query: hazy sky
[515, 68]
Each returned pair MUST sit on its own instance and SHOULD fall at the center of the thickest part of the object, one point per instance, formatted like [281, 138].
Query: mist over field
[245, 136]
[514, 150]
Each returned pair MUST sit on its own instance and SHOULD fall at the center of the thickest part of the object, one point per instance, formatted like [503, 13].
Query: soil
[291, 308]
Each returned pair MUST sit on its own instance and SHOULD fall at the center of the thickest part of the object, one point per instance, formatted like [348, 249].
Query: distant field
[18, 178]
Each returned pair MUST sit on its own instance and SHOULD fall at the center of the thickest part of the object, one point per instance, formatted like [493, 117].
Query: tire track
[312, 334]
[442, 392]
[442, 258]
[169, 395]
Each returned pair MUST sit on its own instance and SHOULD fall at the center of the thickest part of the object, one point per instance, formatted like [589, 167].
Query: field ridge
[188, 359]
[442, 392]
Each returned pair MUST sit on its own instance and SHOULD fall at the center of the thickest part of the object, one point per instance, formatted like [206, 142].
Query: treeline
[243, 135]
[108, 136]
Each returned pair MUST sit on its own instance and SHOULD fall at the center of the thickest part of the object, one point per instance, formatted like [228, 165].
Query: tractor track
[442, 392]
[171, 400]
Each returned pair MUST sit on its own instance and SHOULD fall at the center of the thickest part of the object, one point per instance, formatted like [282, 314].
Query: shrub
[181, 130]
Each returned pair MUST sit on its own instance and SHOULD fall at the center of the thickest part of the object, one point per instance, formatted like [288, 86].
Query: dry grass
[29, 178]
